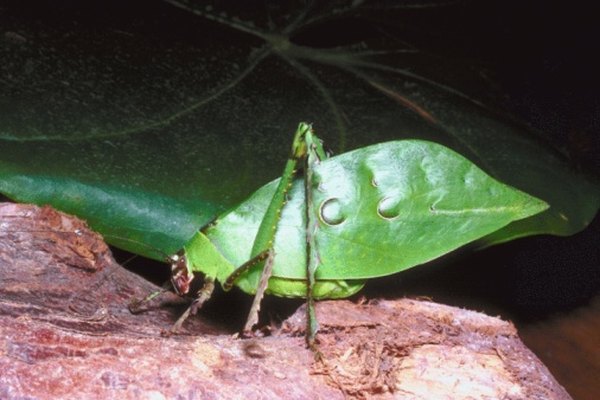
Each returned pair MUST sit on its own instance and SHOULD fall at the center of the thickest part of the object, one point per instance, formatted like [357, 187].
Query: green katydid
[371, 212]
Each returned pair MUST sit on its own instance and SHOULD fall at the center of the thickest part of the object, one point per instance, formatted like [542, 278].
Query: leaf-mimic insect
[329, 224]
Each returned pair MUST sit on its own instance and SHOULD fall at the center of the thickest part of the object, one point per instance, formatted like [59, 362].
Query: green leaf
[141, 229]
[149, 135]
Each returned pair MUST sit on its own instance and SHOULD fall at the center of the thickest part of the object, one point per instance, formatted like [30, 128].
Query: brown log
[66, 332]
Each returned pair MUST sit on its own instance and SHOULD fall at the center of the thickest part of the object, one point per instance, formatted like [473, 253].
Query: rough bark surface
[66, 332]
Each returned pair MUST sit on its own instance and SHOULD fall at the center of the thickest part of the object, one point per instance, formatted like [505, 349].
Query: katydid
[367, 213]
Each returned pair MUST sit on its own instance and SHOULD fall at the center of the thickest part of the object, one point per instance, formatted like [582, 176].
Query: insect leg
[314, 154]
[243, 268]
[260, 292]
[268, 227]
[202, 295]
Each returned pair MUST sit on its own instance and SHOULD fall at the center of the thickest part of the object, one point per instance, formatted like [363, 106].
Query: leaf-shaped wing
[382, 209]
[394, 205]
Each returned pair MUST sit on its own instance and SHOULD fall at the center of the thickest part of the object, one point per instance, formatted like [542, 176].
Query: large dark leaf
[150, 120]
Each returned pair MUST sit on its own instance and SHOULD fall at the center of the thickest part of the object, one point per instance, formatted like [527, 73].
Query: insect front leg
[201, 296]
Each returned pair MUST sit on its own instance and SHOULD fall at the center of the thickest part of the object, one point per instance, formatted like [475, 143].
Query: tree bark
[66, 332]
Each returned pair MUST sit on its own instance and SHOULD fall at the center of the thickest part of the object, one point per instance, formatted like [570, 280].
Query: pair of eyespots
[331, 211]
